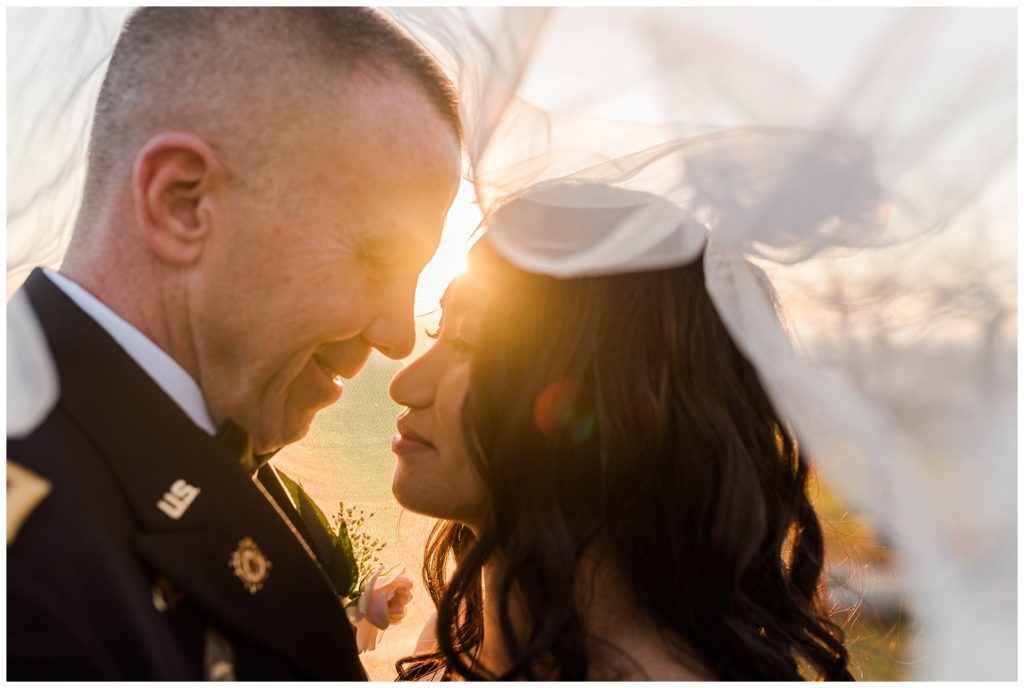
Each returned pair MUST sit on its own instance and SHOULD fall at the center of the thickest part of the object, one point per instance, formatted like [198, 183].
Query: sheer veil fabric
[844, 152]
[849, 176]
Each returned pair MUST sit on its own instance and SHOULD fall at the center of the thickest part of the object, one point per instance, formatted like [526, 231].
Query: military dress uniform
[143, 547]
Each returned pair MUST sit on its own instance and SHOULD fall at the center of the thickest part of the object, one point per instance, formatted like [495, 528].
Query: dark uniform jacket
[154, 555]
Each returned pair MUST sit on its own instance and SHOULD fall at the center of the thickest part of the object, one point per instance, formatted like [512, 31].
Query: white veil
[864, 159]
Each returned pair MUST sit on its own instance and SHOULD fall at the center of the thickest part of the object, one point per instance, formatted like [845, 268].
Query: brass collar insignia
[250, 565]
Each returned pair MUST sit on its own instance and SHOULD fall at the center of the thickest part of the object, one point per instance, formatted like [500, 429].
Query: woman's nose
[414, 386]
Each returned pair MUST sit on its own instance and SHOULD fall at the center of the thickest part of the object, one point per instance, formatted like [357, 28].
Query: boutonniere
[374, 597]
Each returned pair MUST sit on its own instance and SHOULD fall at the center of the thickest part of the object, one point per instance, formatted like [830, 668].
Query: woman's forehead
[460, 296]
[465, 293]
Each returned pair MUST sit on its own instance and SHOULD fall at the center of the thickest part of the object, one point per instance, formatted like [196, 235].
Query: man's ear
[171, 181]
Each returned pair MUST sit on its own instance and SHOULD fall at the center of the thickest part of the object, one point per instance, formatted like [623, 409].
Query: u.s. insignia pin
[178, 499]
[250, 565]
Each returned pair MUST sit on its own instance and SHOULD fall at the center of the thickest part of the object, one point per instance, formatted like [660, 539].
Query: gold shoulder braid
[25, 490]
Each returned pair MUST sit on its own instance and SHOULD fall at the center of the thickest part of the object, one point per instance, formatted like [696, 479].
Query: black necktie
[238, 442]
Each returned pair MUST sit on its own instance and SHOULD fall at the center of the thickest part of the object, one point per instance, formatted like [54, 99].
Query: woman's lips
[408, 441]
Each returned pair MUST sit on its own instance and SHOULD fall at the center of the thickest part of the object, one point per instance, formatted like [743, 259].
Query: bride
[621, 500]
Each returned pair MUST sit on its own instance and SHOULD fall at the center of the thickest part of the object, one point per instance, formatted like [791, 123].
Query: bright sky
[450, 258]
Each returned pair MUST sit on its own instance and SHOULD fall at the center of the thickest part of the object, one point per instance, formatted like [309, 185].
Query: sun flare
[450, 258]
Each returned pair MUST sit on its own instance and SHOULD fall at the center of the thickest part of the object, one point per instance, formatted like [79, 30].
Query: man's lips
[335, 376]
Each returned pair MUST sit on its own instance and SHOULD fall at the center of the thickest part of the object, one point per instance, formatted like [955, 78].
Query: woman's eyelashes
[463, 348]
[461, 345]
[457, 332]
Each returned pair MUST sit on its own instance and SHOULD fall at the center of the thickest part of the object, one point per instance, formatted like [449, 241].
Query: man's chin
[291, 433]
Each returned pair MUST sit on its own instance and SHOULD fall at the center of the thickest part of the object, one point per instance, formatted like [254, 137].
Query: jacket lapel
[202, 521]
[268, 479]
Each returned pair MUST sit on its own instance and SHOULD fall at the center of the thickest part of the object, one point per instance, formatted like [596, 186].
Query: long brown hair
[617, 410]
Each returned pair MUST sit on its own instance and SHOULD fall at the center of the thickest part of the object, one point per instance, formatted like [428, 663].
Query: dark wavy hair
[659, 445]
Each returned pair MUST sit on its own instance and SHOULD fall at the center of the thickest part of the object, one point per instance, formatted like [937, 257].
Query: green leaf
[313, 517]
[344, 571]
[333, 550]
[289, 484]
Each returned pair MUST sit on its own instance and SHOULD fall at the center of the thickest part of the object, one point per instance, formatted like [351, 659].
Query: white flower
[382, 602]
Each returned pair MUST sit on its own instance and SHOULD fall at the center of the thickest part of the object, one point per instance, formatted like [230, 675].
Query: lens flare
[557, 410]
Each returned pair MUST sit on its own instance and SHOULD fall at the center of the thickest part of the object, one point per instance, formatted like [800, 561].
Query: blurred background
[922, 552]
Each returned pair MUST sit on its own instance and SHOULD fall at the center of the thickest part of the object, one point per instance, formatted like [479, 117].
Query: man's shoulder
[73, 583]
[58, 487]
[58, 449]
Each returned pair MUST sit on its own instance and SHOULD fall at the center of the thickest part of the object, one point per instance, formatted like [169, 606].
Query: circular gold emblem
[250, 565]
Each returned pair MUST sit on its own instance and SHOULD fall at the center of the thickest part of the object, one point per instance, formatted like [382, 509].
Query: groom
[263, 188]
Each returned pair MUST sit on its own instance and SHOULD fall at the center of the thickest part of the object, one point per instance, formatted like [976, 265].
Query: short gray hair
[195, 67]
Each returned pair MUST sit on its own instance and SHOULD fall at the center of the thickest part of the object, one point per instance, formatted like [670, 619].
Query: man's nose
[394, 333]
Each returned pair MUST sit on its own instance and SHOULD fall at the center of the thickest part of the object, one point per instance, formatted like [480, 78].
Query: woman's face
[434, 475]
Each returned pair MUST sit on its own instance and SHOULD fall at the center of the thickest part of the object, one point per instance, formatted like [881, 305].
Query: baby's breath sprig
[349, 556]
[365, 549]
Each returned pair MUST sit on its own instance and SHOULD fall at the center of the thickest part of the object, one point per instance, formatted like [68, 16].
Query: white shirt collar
[164, 370]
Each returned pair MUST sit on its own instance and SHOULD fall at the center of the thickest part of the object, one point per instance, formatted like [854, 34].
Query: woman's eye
[463, 349]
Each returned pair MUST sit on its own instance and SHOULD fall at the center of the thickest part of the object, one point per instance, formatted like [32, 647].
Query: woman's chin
[414, 481]
[423, 496]
[408, 492]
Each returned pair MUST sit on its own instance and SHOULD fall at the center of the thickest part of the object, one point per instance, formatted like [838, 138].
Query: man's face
[315, 262]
